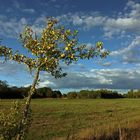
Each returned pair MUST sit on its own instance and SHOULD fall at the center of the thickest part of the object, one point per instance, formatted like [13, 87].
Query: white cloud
[77, 20]
[128, 22]
[27, 85]
[8, 68]
[121, 25]
[135, 43]
[20, 6]
[106, 64]
[40, 20]
[85, 20]
[11, 27]
[129, 54]
[97, 78]
[92, 21]
[14, 73]
[45, 83]
[135, 9]
[30, 11]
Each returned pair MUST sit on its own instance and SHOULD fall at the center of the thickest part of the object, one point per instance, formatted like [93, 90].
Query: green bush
[10, 122]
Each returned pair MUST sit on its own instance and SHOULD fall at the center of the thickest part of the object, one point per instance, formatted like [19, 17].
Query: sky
[114, 22]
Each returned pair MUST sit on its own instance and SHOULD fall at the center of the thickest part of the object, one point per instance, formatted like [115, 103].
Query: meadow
[83, 119]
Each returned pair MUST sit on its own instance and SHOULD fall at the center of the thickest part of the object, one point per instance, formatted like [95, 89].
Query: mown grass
[89, 119]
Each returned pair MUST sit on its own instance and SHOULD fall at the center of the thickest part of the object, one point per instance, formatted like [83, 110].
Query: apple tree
[54, 45]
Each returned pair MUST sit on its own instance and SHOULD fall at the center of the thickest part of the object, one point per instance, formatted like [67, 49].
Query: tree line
[133, 94]
[94, 94]
[7, 92]
[102, 93]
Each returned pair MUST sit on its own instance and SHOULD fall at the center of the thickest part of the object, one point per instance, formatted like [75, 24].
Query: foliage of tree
[72, 95]
[57, 94]
[3, 84]
[94, 94]
[9, 122]
[46, 92]
[54, 45]
[108, 94]
[133, 94]
[7, 92]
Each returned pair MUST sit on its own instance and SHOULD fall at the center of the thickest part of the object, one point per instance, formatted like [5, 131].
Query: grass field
[89, 119]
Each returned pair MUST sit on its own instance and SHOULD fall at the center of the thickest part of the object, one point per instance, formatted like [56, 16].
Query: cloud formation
[17, 73]
[129, 54]
[120, 24]
[29, 11]
[129, 21]
[95, 78]
[11, 27]
[125, 24]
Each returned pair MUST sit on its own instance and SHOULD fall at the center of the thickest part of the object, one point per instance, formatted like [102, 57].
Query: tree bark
[27, 107]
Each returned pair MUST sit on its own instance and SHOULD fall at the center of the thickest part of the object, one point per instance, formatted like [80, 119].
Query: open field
[63, 119]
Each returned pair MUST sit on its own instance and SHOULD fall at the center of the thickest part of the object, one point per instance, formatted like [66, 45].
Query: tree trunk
[21, 132]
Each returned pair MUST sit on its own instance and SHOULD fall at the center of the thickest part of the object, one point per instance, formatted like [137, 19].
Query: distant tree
[7, 92]
[3, 84]
[57, 94]
[133, 94]
[88, 94]
[54, 45]
[84, 94]
[138, 93]
[108, 94]
[72, 95]
[3, 89]
[94, 94]
[64, 95]
[43, 92]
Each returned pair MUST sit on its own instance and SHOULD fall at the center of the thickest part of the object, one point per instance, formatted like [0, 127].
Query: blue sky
[115, 22]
